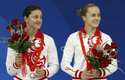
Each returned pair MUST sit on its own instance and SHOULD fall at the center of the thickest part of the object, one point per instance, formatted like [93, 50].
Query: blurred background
[60, 19]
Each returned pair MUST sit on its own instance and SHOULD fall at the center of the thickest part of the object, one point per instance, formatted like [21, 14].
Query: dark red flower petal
[9, 28]
[113, 45]
[15, 37]
[23, 25]
[94, 51]
[113, 54]
[105, 62]
[10, 41]
[98, 55]
[25, 37]
[15, 21]
[107, 46]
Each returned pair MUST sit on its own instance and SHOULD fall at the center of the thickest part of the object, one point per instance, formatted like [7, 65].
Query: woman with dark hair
[81, 43]
[37, 67]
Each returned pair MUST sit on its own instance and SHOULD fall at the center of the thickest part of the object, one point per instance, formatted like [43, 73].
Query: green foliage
[20, 45]
[94, 61]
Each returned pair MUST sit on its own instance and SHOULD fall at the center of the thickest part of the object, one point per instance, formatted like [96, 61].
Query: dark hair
[29, 9]
[84, 9]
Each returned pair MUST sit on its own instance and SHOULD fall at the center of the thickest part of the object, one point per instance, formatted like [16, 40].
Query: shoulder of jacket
[75, 34]
[47, 37]
[104, 34]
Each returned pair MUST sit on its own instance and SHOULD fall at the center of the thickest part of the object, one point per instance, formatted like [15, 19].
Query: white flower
[12, 31]
[18, 32]
[99, 48]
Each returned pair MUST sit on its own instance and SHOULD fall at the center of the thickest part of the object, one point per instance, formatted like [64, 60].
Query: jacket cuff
[78, 74]
[15, 65]
[46, 72]
[102, 73]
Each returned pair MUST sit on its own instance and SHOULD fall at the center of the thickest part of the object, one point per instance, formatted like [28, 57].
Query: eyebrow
[36, 15]
[95, 13]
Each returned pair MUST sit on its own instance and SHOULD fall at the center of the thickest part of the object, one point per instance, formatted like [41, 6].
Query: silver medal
[32, 75]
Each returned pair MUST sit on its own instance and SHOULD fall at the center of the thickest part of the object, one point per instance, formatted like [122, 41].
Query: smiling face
[92, 17]
[34, 20]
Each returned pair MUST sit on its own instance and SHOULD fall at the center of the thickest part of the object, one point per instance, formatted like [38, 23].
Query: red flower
[105, 62]
[23, 25]
[9, 28]
[98, 55]
[25, 37]
[113, 53]
[113, 45]
[108, 51]
[10, 41]
[15, 37]
[107, 46]
[94, 51]
[15, 21]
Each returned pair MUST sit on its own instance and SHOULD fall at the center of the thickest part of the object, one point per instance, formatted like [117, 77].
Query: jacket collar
[97, 33]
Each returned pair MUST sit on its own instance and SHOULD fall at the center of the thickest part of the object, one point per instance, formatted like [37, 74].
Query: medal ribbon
[89, 66]
[42, 44]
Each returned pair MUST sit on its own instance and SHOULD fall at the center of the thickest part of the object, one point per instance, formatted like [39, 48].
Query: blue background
[60, 19]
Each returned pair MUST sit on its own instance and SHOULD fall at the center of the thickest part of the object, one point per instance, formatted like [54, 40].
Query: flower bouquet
[19, 40]
[103, 55]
